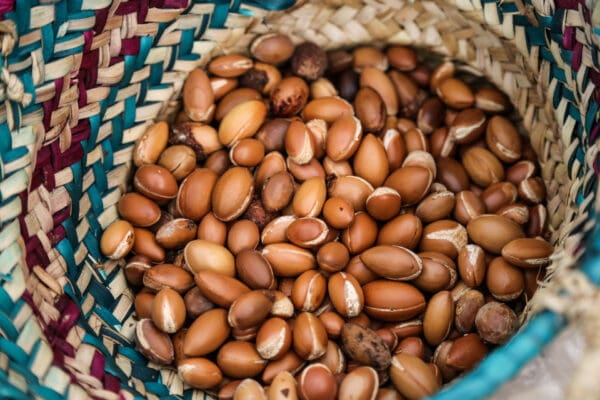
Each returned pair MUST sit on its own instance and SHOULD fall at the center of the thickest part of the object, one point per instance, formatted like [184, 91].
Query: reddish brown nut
[405, 230]
[392, 301]
[309, 61]
[240, 360]
[412, 377]
[446, 236]
[249, 310]
[466, 310]
[503, 139]
[168, 310]
[309, 290]
[455, 93]
[346, 294]
[504, 281]
[471, 265]
[274, 339]
[438, 318]
[527, 252]
[492, 232]
[153, 343]
[333, 257]
[309, 336]
[466, 352]
[496, 322]
[439, 272]
[498, 195]
[316, 382]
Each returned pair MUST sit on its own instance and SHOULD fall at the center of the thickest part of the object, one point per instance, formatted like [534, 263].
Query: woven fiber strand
[83, 79]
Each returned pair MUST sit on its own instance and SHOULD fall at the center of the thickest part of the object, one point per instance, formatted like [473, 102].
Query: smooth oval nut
[249, 310]
[203, 255]
[343, 138]
[308, 232]
[176, 233]
[288, 260]
[361, 234]
[232, 193]
[482, 166]
[247, 152]
[309, 336]
[452, 174]
[151, 144]
[436, 206]
[168, 275]
[168, 310]
[275, 230]
[289, 96]
[239, 360]
[369, 56]
[351, 188]
[242, 121]
[308, 291]
[155, 182]
[230, 65]
[153, 343]
[412, 377]
[233, 98]
[180, 160]
[412, 183]
[283, 387]
[528, 252]
[468, 206]
[466, 352]
[532, 190]
[392, 262]
[254, 269]
[212, 229]
[317, 382]
[405, 230]
[392, 301]
[370, 161]
[492, 232]
[249, 389]
[365, 346]
[492, 100]
[242, 235]
[196, 303]
[359, 384]
[381, 83]
[299, 143]
[498, 195]
[198, 97]
[273, 339]
[504, 281]
[472, 265]
[338, 212]
[207, 333]
[431, 115]
[221, 289]
[438, 318]
[383, 203]
[188, 203]
[145, 244]
[309, 198]
[455, 93]
[445, 236]
[332, 257]
[439, 272]
[272, 48]
[200, 373]
[520, 171]
[329, 109]
[370, 109]
[503, 139]
[468, 126]
[117, 240]
[345, 294]
[395, 148]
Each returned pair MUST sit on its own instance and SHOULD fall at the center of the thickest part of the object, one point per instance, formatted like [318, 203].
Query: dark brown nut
[504, 281]
[468, 206]
[117, 240]
[212, 229]
[290, 362]
[308, 291]
[435, 206]
[272, 48]
[357, 269]
[389, 337]
[274, 339]
[402, 58]
[275, 230]
[207, 333]
[370, 109]
[308, 232]
[309, 61]
[492, 101]
[538, 220]
[361, 234]
[180, 160]
[240, 360]
[452, 174]
[339, 60]
[468, 126]
[232, 193]
[262, 77]
[455, 93]
[410, 97]
[309, 336]
[218, 162]
[272, 134]
[412, 377]
[198, 97]
[466, 352]
[288, 260]
[309, 198]
[498, 195]
[395, 148]
[503, 139]
[249, 310]
[528, 252]
[361, 319]
[254, 269]
[482, 166]
[441, 144]
[440, 359]
[360, 384]
[392, 262]
[155, 182]
[135, 268]
[365, 346]
[233, 98]
[176, 233]
[347, 84]
[346, 294]
[439, 272]
[370, 161]
[196, 304]
[353, 189]
[369, 56]
[431, 115]
[151, 144]
[517, 212]
[471, 265]
[412, 183]
[328, 109]
[242, 121]
[532, 190]
[405, 230]
[438, 318]
[316, 382]
[520, 171]
[203, 255]
[533, 278]
[446, 236]
[222, 86]
[443, 71]
[247, 152]
[152, 343]
[188, 203]
[145, 244]
[467, 307]
[143, 304]
[381, 83]
[392, 301]
[283, 387]
[168, 275]
[338, 212]
[384, 203]
[416, 140]
[496, 322]
[242, 235]
[492, 232]
[221, 289]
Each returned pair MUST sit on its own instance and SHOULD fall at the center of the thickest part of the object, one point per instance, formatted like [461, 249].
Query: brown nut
[207, 333]
[328, 109]
[353, 189]
[416, 140]
[309, 198]
[369, 56]
[395, 148]
[442, 145]
[198, 97]
[504, 281]
[503, 139]
[271, 164]
[431, 115]
[289, 96]
[412, 183]
[272, 134]
[492, 232]
[405, 230]
[517, 212]
[439, 272]
[383, 203]
[222, 86]
[262, 77]
[254, 270]
[520, 171]
[196, 304]
[308, 291]
[471, 265]
[370, 161]
[180, 160]
[445, 236]
[482, 166]
[230, 65]
[299, 143]
[309, 61]
[188, 203]
[117, 240]
[381, 83]
[322, 87]
[249, 389]
[392, 301]
[135, 268]
[498, 195]
[212, 229]
[466, 352]
[496, 322]
[151, 144]
[247, 152]
[438, 318]
[370, 109]
[528, 252]
[360, 384]
[143, 304]
[155, 182]
[538, 220]
[232, 193]
[455, 93]
[412, 377]
[308, 232]
[221, 289]
[274, 339]
[361, 234]
[332, 257]
[240, 360]
[316, 382]
[290, 362]
[392, 262]
[333, 358]
[402, 58]
[452, 174]
[168, 310]
[249, 310]
[313, 169]
[346, 294]
[365, 346]
[338, 212]
[309, 336]
[202, 138]
[436, 206]
[176, 233]
[203, 255]
[443, 71]
[168, 275]
[242, 121]
[343, 138]
[272, 48]
[468, 126]
[275, 230]
[532, 190]
[288, 260]
[145, 244]
[466, 310]
[492, 101]
[468, 206]
[283, 387]
[152, 343]
[242, 235]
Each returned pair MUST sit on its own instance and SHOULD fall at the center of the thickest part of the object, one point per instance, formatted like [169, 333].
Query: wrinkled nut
[309, 61]
[438, 318]
[309, 336]
[392, 262]
[346, 294]
[249, 310]
[439, 272]
[117, 240]
[198, 97]
[504, 281]
[471, 265]
[466, 310]
[492, 232]
[316, 382]
[496, 322]
[168, 311]
[392, 301]
[151, 144]
[308, 291]
[412, 377]
[365, 346]
[152, 343]
[527, 252]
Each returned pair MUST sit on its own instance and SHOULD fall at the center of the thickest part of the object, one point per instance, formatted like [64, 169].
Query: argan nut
[466, 310]
[370, 109]
[309, 61]
[240, 360]
[143, 304]
[168, 275]
[196, 304]
[138, 210]
[503, 139]
[200, 373]
[361, 234]
[528, 252]
[346, 294]
[431, 115]
[468, 206]
[492, 101]
[275, 230]
[498, 195]
[198, 97]
[520, 171]
[360, 384]
[308, 232]
[254, 270]
[309, 198]
[153, 343]
[405, 230]
[482, 166]
[392, 262]
[395, 148]
[383, 203]
[412, 183]
[151, 144]
[392, 301]
[242, 121]
[288, 260]
[230, 65]
[466, 352]
[496, 322]
[365, 346]
[343, 138]
[117, 240]
[309, 336]
[445, 236]
[222, 86]
[439, 272]
[155, 182]
[316, 382]
[370, 161]
[221, 289]
[249, 310]
[248, 152]
[338, 213]
[468, 126]
[492, 232]
[212, 230]
[438, 318]
[168, 310]
[504, 281]
[412, 345]
[272, 48]
[274, 339]
[180, 160]
[135, 268]
[532, 190]
[308, 291]
[204, 255]
[516, 212]
[207, 333]
[381, 83]
[369, 56]
[312, 169]
[328, 109]
[299, 144]
[232, 193]
[402, 58]
[455, 93]
[436, 206]
[176, 233]
[472, 265]
[443, 71]
[283, 387]
[412, 377]
[189, 204]
[249, 389]
[353, 189]
[452, 174]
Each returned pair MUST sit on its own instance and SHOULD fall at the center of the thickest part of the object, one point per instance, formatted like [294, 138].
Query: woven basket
[82, 79]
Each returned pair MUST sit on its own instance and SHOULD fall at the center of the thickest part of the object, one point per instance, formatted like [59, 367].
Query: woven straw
[81, 81]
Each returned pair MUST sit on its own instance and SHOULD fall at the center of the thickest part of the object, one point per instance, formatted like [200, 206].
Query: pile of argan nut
[352, 224]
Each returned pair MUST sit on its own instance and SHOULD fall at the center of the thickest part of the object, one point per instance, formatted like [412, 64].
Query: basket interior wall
[71, 117]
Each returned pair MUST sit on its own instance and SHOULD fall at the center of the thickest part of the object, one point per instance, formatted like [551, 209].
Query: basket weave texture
[82, 79]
